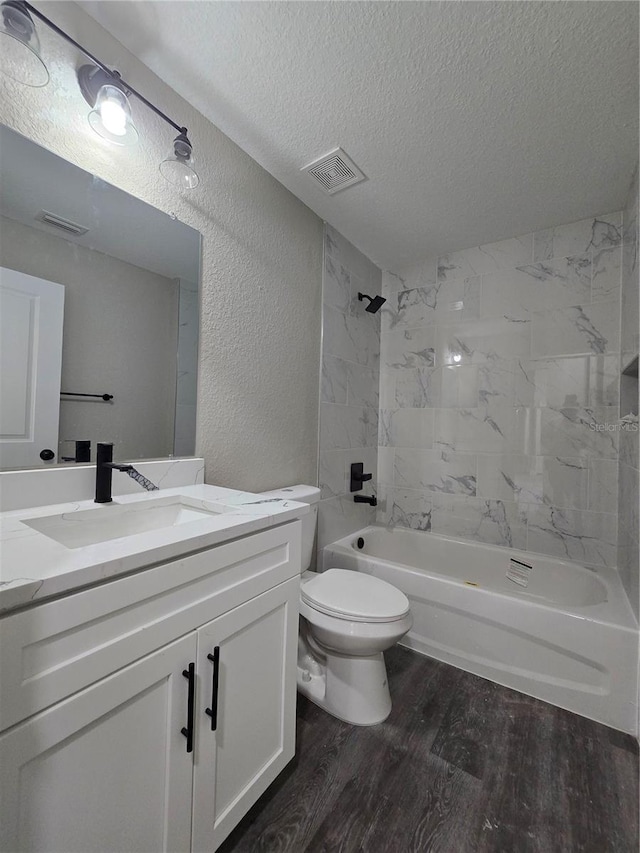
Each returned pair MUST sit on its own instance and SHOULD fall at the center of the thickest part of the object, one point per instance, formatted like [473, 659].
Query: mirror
[99, 316]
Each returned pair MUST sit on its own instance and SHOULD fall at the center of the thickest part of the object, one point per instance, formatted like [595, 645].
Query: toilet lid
[352, 595]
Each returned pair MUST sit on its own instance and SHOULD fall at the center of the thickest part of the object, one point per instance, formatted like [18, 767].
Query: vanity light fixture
[111, 114]
[102, 87]
[20, 49]
[178, 166]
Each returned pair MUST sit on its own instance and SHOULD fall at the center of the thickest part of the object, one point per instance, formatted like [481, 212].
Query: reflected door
[31, 320]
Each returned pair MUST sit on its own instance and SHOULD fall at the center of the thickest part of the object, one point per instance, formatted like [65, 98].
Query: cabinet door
[107, 769]
[254, 736]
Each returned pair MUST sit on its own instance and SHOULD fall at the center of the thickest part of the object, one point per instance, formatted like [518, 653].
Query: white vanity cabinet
[105, 770]
[197, 653]
[249, 735]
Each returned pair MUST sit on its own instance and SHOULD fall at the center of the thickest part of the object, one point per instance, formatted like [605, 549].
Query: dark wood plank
[525, 809]
[623, 741]
[297, 806]
[471, 726]
[462, 765]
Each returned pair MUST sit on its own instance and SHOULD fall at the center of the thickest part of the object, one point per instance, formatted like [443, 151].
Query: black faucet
[104, 473]
[83, 453]
[366, 499]
[358, 477]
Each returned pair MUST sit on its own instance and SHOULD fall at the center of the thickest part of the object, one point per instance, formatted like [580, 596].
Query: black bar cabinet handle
[190, 675]
[213, 710]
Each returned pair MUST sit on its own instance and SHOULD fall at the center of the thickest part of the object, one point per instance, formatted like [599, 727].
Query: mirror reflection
[99, 316]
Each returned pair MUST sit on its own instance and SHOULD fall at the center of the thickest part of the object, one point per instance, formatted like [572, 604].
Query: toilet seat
[355, 597]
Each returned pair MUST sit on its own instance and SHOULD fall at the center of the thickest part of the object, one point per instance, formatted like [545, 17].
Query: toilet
[348, 620]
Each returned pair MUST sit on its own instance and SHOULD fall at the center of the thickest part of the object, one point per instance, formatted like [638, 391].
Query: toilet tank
[305, 495]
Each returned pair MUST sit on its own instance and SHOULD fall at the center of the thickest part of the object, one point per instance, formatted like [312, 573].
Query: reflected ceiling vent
[334, 172]
[65, 225]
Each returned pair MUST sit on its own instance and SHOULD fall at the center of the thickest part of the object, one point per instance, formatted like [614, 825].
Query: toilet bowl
[347, 621]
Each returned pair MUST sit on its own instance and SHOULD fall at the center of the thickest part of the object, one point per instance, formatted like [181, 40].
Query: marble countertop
[34, 567]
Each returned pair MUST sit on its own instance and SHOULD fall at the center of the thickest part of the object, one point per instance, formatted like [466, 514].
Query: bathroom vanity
[148, 681]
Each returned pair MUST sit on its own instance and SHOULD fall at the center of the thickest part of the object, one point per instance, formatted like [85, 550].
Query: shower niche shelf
[629, 388]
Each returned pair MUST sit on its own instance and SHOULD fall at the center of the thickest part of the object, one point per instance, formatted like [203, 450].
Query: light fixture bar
[105, 68]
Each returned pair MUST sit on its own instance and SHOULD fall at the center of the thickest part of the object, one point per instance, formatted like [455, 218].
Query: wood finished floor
[460, 765]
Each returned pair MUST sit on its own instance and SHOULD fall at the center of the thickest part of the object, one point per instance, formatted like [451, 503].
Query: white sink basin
[113, 521]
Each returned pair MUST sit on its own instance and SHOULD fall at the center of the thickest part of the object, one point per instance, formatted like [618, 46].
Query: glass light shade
[20, 48]
[111, 117]
[178, 168]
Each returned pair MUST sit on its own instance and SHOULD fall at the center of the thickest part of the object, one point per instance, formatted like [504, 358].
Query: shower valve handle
[358, 477]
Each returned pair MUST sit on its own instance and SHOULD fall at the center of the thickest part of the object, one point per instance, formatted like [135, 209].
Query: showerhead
[375, 302]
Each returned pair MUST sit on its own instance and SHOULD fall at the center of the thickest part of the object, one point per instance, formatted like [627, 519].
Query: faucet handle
[358, 477]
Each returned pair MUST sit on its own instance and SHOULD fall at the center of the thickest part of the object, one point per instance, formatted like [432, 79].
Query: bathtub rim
[617, 604]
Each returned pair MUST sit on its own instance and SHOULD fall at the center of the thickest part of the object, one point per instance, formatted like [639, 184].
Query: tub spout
[366, 499]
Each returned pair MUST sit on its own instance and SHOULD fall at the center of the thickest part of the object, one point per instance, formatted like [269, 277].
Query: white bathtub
[569, 637]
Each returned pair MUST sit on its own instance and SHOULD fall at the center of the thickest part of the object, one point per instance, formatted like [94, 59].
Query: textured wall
[261, 268]
[629, 475]
[115, 315]
[349, 392]
[498, 365]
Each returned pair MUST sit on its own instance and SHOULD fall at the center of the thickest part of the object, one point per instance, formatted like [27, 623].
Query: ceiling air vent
[59, 222]
[335, 171]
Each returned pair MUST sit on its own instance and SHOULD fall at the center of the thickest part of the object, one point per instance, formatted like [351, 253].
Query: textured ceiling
[473, 121]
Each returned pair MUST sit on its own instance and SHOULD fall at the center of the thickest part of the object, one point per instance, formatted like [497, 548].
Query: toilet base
[353, 689]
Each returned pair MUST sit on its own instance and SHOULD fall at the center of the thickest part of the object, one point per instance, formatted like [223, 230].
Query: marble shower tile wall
[499, 392]
[349, 387]
[628, 468]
